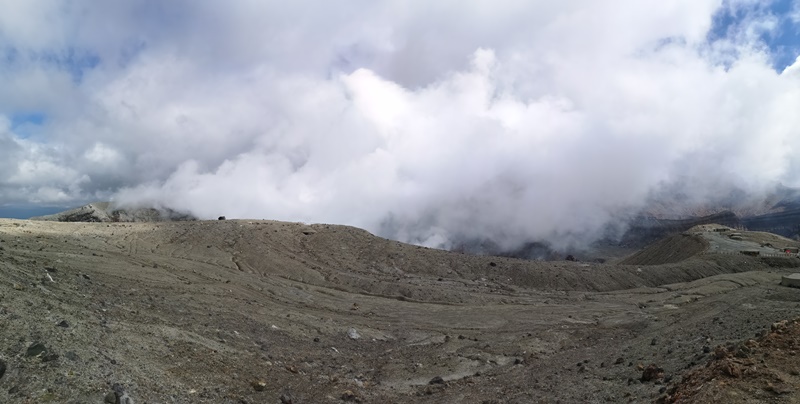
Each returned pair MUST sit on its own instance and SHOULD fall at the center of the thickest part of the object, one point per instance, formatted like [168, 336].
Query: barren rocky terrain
[272, 312]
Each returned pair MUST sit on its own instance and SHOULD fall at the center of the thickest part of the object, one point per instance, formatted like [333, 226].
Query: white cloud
[512, 120]
[794, 14]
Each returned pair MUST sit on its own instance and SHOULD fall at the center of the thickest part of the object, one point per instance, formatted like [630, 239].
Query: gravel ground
[271, 312]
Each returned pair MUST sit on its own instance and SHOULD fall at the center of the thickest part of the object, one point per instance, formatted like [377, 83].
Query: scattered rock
[35, 349]
[436, 380]
[732, 369]
[654, 342]
[348, 395]
[63, 324]
[49, 357]
[778, 388]
[287, 398]
[221, 218]
[652, 372]
[259, 385]
[779, 326]
[2, 368]
[353, 334]
[619, 361]
[120, 395]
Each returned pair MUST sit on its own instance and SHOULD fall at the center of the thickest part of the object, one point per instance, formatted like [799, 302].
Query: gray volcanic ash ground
[242, 311]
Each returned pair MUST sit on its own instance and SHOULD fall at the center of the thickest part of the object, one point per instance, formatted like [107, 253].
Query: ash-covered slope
[259, 311]
[786, 222]
[108, 212]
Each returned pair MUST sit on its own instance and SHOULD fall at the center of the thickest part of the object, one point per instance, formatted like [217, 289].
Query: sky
[425, 122]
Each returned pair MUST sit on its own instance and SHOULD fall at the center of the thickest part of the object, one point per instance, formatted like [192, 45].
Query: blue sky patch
[74, 61]
[783, 41]
[23, 124]
[27, 211]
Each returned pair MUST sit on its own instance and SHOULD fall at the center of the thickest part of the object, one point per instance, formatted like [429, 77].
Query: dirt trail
[256, 311]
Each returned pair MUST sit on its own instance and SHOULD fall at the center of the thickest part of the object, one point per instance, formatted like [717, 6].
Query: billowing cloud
[506, 120]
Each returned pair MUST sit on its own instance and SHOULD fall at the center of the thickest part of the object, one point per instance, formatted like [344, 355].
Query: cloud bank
[510, 121]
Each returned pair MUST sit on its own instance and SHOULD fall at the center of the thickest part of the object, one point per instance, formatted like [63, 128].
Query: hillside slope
[262, 311]
[108, 212]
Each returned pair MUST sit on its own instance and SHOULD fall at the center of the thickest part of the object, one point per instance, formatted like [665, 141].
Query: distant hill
[109, 212]
[778, 212]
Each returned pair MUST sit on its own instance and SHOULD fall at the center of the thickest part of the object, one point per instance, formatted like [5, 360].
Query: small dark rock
[706, 349]
[2, 368]
[63, 324]
[349, 396]
[49, 357]
[286, 399]
[436, 380]
[652, 372]
[110, 398]
[654, 341]
[492, 264]
[71, 356]
[221, 218]
[619, 361]
[316, 339]
[570, 258]
[35, 349]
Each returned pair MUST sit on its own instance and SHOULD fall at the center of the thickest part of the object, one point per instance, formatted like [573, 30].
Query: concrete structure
[754, 253]
[792, 280]
[791, 250]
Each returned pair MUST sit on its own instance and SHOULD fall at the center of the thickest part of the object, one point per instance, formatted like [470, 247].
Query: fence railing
[777, 255]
